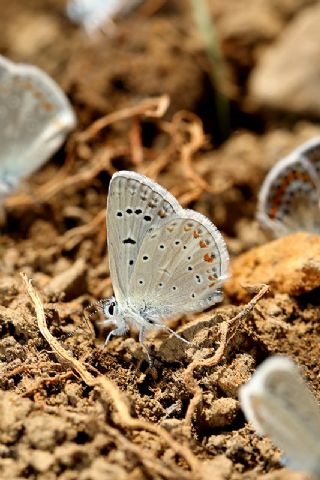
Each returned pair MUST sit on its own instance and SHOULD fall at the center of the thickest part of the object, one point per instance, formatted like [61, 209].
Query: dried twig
[150, 107]
[75, 235]
[107, 388]
[227, 331]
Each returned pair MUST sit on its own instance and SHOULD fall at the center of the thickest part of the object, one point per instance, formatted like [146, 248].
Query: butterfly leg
[141, 340]
[121, 329]
[177, 335]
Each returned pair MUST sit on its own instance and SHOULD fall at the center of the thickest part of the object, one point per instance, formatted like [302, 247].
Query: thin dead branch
[228, 329]
[150, 107]
[107, 388]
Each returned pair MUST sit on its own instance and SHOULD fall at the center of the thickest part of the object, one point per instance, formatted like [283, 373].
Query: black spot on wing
[129, 241]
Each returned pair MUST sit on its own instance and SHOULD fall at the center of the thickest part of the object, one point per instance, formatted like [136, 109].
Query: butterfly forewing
[135, 204]
[289, 198]
[180, 267]
[311, 152]
[35, 116]
[279, 404]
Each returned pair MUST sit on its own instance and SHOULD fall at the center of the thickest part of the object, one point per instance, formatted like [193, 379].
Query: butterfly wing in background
[310, 151]
[289, 197]
[93, 14]
[35, 117]
[162, 258]
[278, 403]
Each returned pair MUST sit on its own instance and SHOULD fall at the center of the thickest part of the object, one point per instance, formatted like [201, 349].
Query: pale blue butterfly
[93, 14]
[165, 261]
[290, 195]
[35, 117]
[278, 403]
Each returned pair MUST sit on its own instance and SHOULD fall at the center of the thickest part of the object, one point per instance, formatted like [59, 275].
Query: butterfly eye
[111, 308]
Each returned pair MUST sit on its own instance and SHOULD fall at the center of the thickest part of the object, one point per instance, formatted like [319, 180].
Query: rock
[219, 468]
[44, 431]
[40, 460]
[13, 411]
[236, 374]
[289, 265]
[220, 413]
[283, 474]
[287, 74]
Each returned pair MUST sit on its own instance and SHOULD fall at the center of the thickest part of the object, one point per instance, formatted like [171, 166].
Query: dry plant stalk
[228, 329]
[60, 182]
[150, 107]
[109, 390]
[75, 235]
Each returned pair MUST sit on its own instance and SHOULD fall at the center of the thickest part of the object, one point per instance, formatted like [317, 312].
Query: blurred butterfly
[35, 117]
[93, 14]
[278, 403]
[165, 261]
[290, 194]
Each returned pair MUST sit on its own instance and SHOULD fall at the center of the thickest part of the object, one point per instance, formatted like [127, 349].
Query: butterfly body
[164, 260]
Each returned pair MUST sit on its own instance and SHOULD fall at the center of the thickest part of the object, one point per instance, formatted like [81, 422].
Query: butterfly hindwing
[35, 116]
[310, 151]
[180, 267]
[289, 197]
[279, 404]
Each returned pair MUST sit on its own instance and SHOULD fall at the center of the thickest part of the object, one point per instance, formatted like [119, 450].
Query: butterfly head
[110, 308]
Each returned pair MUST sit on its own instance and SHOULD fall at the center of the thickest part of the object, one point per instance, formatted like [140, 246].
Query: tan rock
[283, 474]
[236, 374]
[287, 75]
[289, 265]
[219, 468]
[220, 413]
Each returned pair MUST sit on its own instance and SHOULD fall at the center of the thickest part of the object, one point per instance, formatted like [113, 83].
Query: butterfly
[164, 261]
[93, 14]
[290, 195]
[35, 117]
[278, 403]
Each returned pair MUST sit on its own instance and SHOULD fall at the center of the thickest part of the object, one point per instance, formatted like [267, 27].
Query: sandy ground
[70, 410]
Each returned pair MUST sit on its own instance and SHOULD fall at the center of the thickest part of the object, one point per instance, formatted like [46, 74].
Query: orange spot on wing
[281, 190]
[208, 258]
[47, 106]
[203, 244]
[196, 234]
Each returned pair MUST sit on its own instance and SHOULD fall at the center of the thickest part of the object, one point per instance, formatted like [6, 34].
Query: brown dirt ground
[109, 415]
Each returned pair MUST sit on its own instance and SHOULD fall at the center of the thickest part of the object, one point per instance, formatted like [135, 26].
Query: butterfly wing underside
[35, 117]
[134, 206]
[189, 262]
[289, 197]
[310, 151]
[278, 403]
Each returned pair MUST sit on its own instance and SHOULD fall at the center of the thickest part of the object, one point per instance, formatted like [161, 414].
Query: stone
[218, 468]
[287, 73]
[289, 265]
[220, 413]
